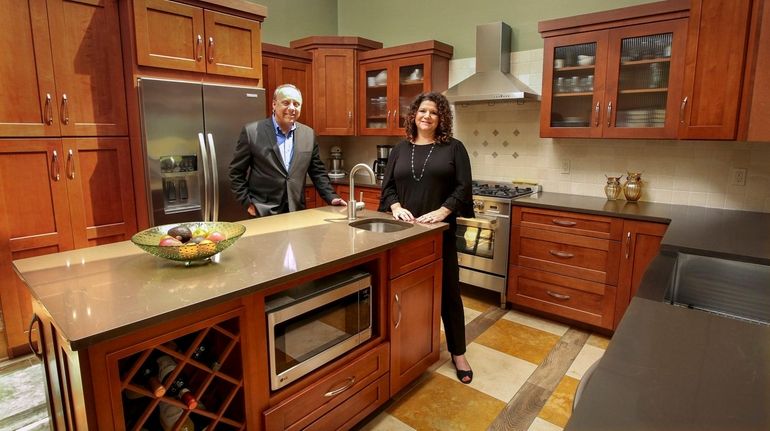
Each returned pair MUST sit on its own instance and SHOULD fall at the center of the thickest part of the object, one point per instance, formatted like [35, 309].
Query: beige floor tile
[543, 425]
[536, 322]
[386, 422]
[494, 373]
[522, 341]
[599, 341]
[558, 408]
[584, 359]
[440, 403]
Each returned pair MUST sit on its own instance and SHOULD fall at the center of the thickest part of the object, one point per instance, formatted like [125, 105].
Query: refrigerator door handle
[215, 177]
[206, 179]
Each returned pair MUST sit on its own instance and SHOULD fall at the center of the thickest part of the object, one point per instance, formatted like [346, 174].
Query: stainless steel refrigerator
[190, 131]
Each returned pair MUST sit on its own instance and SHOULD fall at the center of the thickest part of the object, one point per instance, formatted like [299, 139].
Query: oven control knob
[478, 205]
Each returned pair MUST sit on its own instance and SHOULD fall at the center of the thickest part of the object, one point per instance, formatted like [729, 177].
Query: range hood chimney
[492, 81]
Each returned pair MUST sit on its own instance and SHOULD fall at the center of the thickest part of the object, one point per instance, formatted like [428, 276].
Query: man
[273, 156]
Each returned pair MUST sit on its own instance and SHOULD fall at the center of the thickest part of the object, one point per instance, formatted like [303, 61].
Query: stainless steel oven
[311, 324]
[482, 244]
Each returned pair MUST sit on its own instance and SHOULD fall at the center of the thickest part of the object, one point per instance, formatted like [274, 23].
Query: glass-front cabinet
[623, 83]
[390, 79]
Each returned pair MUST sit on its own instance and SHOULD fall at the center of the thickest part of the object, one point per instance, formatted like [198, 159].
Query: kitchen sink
[726, 287]
[380, 225]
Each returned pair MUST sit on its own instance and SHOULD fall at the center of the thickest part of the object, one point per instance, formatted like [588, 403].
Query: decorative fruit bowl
[188, 242]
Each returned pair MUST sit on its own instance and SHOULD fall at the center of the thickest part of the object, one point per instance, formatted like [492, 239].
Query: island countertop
[101, 292]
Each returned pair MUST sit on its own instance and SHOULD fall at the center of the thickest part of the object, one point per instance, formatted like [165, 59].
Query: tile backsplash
[504, 144]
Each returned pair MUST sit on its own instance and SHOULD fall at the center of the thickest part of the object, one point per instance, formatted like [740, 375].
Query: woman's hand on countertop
[434, 216]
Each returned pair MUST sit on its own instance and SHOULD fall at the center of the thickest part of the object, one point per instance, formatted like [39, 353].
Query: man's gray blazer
[258, 176]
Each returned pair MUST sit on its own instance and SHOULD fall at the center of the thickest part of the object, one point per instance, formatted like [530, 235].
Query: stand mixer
[335, 163]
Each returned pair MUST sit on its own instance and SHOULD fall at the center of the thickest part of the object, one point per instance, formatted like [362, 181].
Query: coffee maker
[383, 151]
[335, 163]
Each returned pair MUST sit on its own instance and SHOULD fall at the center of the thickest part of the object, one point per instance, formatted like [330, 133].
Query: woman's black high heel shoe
[462, 374]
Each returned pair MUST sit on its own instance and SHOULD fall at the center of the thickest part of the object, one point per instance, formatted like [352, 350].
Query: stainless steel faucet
[352, 204]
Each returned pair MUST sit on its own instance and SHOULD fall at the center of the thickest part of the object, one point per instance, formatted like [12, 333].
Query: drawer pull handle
[628, 244]
[562, 254]
[558, 295]
[35, 318]
[350, 381]
[563, 222]
[398, 320]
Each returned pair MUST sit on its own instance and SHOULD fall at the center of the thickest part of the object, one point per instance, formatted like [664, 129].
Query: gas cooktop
[503, 190]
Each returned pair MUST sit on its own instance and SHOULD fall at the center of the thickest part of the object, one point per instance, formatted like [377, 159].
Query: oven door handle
[486, 223]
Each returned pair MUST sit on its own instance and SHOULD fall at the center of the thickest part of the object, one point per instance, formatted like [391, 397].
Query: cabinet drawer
[355, 408]
[310, 199]
[307, 406]
[567, 222]
[588, 258]
[415, 254]
[568, 297]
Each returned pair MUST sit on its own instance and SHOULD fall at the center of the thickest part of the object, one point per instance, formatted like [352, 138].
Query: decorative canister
[613, 187]
[632, 189]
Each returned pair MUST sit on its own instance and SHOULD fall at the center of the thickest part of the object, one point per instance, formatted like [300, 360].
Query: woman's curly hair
[444, 128]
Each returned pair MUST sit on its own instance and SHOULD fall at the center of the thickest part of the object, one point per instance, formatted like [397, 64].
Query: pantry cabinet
[186, 37]
[335, 73]
[281, 65]
[618, 78]
[67, 74]
[390, 78]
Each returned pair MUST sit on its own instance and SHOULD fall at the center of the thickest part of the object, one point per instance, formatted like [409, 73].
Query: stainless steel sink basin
[726, 287]
[380, 225]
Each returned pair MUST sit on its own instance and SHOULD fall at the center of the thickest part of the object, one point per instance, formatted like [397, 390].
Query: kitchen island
[674, 368]
[103, 311]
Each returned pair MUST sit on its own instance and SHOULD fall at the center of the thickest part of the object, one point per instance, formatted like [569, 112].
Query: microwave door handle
[214, 178]
[206, 178]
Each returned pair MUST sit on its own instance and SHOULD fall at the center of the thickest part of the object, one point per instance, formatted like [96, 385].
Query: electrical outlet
[565, 166]
[738, 177]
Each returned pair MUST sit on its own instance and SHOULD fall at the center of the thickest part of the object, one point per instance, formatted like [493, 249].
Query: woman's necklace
[433, 144]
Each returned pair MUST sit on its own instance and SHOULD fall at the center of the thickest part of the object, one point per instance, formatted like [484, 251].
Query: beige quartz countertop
[102, 292]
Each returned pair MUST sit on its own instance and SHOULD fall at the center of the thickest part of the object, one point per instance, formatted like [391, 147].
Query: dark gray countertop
[672, 368]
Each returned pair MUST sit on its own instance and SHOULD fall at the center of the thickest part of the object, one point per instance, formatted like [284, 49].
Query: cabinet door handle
[563, 222]
[387, 119]
[211, 49]
[558, 295]
[70, 165]
[48, 109]
[350, 118]
[609, 113]
[628, 244]
[349, 382]
[398, 303]
[596, 114]
[681, 110]
[199, 47]
[35, 318]
[65, 114]
[55, 166]
[562, 254]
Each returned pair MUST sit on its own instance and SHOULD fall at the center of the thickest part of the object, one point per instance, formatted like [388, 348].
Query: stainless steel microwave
[311, 324]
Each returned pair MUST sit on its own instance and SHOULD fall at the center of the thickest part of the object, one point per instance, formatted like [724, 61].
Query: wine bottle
[178, 387]
[205, 355]
[169, 414]
[147, 376]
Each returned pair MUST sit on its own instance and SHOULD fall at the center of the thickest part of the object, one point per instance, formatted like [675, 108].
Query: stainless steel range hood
[492, 81]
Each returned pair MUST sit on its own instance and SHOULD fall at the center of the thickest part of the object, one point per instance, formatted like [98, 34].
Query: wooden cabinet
[581, 267]
[615, 74]
[185, 37]
[371, 195]
[335, 60]
[56, 195]
[390, 78]
[755, 106]
[716, 54]
[311, 197]
[67, 74]
[281, 65]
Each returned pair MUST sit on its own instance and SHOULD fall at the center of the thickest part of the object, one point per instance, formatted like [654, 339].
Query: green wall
[395, 22]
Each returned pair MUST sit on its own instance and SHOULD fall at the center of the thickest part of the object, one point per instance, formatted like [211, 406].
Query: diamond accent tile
[505, 143]
[515, 155]
[495, 132]
[485, 143]
[494, 154]
[516, 132]
[475, 154]
[475, 133]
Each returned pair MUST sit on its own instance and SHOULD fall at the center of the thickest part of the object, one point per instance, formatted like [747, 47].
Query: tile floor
[526, 370]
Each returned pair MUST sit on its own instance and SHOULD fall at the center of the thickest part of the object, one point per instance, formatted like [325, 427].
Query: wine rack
[208, 365]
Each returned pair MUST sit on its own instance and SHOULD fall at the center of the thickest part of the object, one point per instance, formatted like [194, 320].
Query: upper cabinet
[756, 108]
[616, 74]
[335, 60]
[66, 77]
[185, 37]
[390, 78]
[281, 65]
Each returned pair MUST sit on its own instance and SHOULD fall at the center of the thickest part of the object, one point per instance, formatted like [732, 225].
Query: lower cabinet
[371, 195]
[581, 267]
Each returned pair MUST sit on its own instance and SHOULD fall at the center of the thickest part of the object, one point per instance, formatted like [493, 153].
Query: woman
[428, 180]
